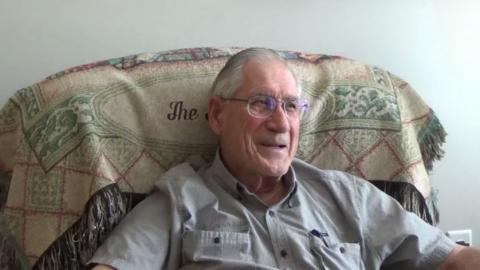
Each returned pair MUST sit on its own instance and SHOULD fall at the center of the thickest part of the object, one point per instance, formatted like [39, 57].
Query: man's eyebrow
[291, 98]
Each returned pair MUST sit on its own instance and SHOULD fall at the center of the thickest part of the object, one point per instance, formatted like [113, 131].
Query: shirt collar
[227, 181]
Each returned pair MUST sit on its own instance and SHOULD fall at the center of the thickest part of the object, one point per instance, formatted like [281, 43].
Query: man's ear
[215, 114]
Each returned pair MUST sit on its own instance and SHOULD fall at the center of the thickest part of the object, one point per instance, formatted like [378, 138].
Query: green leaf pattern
[361, 102]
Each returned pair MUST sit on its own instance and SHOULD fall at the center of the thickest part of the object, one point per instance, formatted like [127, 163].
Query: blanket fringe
[408, 196]
[10, 255]
[11, 258]
[76, 246]
[431, 138]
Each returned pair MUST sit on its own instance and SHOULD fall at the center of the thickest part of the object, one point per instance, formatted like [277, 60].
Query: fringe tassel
[10, 255]
[431, 137]
[408, 196]
[5, 178]
[432, 205]
[76, 246]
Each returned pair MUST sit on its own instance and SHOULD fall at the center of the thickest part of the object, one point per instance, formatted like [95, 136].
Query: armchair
[80, 148]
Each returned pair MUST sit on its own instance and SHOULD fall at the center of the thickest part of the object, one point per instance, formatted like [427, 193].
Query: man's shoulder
[310, 175]
[181, 176]
[308, 171]
[337, 185]
[186, 187]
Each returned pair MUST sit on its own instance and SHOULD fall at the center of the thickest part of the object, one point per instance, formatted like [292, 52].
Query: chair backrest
[125, 121]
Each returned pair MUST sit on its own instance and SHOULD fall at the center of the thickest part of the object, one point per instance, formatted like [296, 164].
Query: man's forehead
[264, 75]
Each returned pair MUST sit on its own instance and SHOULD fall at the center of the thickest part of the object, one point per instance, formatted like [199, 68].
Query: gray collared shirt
[328, 220]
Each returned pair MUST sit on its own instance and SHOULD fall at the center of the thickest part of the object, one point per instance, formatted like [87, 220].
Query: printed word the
[180, 113]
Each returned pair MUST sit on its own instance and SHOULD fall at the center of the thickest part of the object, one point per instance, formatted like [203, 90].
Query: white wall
[430, 43]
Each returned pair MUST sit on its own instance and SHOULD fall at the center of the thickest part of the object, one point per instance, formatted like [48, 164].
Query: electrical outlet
[463, 237]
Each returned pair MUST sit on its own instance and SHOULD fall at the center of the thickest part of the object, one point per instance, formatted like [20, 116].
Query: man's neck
[270, 190]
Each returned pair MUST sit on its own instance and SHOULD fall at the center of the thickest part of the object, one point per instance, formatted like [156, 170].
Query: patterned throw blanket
[94, 138]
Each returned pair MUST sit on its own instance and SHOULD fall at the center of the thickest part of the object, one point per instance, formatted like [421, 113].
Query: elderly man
[256, 207]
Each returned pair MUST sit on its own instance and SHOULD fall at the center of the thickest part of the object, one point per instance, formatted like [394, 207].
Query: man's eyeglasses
[262, 106]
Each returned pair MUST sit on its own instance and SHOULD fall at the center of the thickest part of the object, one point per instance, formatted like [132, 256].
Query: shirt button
[283, 253]
[240, 189]
[216, 240]
[289, 203]
[271, 213]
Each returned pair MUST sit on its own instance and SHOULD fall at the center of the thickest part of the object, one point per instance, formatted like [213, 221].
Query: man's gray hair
[229, 79]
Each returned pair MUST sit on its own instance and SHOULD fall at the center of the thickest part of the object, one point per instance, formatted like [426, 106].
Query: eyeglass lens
[265, 105]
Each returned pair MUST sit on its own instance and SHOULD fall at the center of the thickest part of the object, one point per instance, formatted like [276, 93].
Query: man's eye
[263, 102]
[259, 102]
[291, 106]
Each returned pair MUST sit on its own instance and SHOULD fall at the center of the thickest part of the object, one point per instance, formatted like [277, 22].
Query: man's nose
[278, 120]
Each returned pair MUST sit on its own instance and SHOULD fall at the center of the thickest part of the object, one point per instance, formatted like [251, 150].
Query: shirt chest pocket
[336, 255]
[203, 246]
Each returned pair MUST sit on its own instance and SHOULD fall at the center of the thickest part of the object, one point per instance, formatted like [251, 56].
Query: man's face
[253, 147]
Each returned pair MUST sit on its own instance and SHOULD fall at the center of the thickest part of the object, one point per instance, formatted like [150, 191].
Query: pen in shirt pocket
[321, 235]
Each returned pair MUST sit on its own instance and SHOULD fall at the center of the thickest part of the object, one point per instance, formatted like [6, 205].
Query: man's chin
[275, 170]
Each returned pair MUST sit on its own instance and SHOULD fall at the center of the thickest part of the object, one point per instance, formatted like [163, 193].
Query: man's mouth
[274, 145]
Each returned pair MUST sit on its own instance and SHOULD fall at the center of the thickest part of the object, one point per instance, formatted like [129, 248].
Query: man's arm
[462, 258]
[140, 240]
